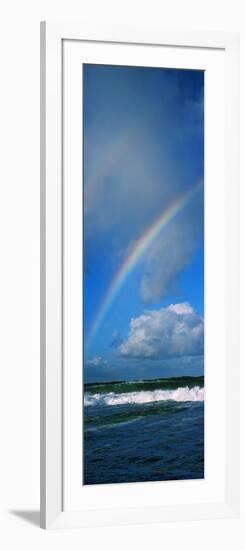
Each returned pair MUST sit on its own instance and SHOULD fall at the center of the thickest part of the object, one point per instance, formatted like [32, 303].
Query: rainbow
[140, 247]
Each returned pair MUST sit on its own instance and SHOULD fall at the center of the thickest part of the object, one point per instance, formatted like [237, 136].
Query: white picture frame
[59, 504]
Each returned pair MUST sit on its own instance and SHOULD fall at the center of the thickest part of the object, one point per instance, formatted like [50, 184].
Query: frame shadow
[31, 516]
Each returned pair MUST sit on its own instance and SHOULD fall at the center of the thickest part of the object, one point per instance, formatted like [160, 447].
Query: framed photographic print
[139, 275]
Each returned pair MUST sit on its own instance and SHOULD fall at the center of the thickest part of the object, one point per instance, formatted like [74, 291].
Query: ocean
[144, 430]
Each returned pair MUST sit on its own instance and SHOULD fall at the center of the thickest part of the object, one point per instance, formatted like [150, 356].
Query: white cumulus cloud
[96, 361]
[171, 331]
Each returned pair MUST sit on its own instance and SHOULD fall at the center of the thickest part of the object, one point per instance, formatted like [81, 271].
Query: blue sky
[143, 149]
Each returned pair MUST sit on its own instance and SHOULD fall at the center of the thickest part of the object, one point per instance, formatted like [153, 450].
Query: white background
[19, 270]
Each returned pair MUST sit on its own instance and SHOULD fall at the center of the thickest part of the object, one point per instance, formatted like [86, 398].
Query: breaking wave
[182, 394]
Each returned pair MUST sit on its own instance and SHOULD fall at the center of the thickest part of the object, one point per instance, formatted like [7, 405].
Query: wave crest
[140, 397]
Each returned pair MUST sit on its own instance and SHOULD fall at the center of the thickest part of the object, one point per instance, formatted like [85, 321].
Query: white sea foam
[113, 425]
[139, 397]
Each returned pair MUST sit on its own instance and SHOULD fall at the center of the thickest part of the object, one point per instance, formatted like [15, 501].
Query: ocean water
[147, 430]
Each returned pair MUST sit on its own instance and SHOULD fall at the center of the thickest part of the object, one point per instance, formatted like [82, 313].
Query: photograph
[143, 274]
[121, 259]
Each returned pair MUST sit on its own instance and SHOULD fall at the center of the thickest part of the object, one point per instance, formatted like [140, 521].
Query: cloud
[116, 339]
[172, 252]
[96, 361]
[142, 151]
[172, 331]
